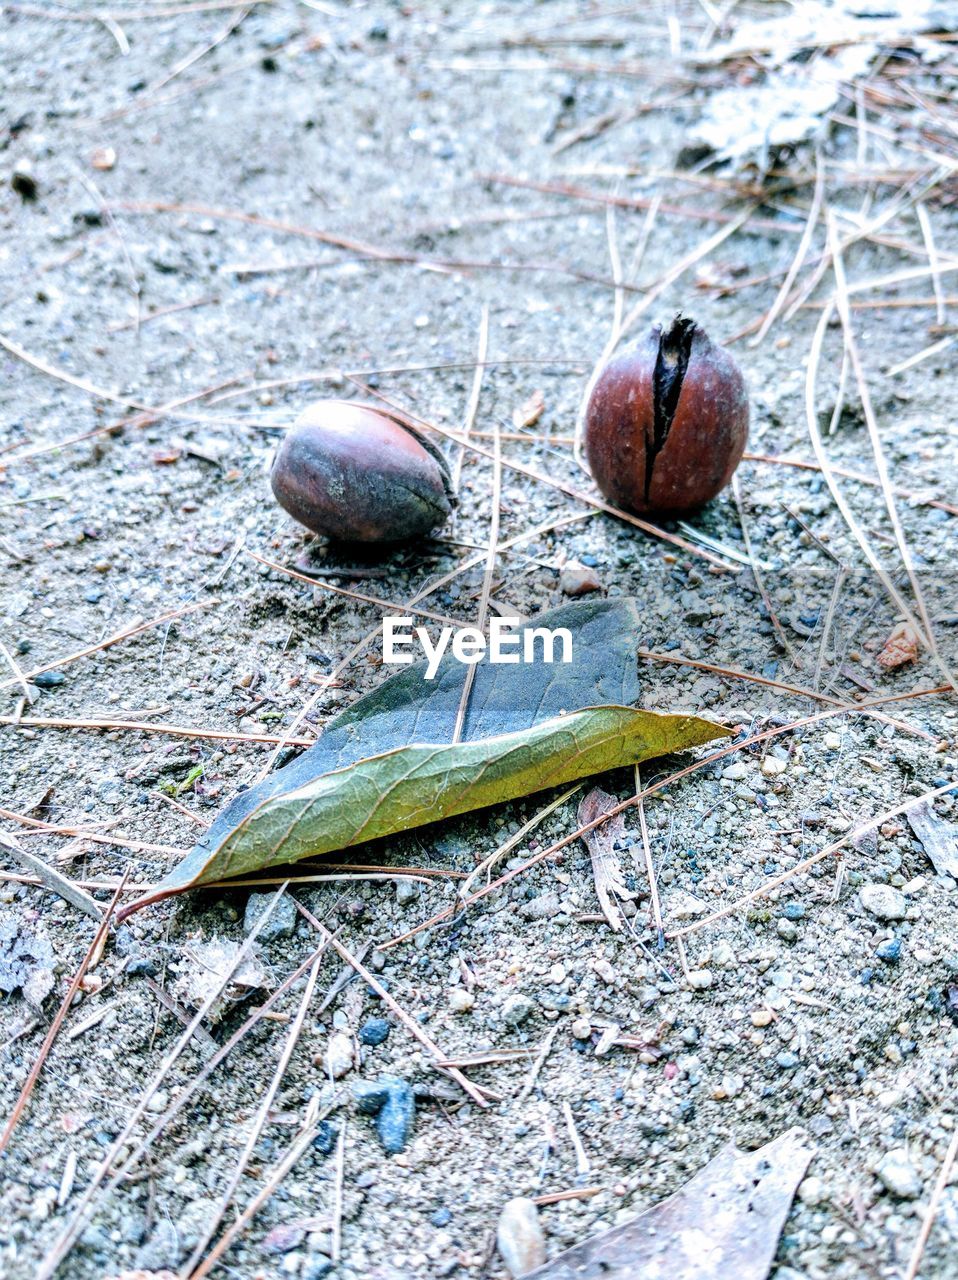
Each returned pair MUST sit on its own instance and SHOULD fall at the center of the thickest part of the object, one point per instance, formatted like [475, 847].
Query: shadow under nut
[357, 475]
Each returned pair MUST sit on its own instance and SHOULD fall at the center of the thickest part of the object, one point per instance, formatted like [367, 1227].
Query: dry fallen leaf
[389, 764]
[722, 1225]
[900, 647]
[939, 838]
[529, 413]
[606, 869]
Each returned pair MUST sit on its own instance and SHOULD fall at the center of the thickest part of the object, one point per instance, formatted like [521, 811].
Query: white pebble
[339, 1055]
[700, 979]
[519, 1237]
[883, 901]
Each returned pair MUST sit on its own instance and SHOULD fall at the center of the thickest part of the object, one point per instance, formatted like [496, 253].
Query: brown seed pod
[358, 474]
[667, 421]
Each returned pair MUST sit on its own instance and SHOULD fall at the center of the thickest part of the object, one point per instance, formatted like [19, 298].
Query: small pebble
[899, 1176]
[786, 929]
[519, 1237]
[883, 901]
[339, 1055]
[811, 1191]
[578, 580]
[736, 772]
[582, 1028]
[407, 892]
[700, 979]
[772, 767]
[461, 1000]
[889, 950]
[762, 1018]
[374, 1031]
[282, 920]
[516, 1009]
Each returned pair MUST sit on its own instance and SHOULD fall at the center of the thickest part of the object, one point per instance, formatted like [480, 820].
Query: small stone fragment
[736, 772]
[339, 1055]
[519, 1237]
[374, 1031]
[883, 901]
[393, 1103]
[407, 892]
[899, 1176]
[394, 1121]
[700, 979]
[282, 920]
[772, 767]
[461, 1000]
[516, 1009]
[889, 950]
[543, 907]
[577, 579]
[23, 180]
[787, 930]
[811, 1191]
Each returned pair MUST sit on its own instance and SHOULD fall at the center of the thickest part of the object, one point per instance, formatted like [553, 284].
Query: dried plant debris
[722, 1225]
[606, 868]
[900, 648]
[388, 764]
[205, 966]
[26, 961]
[811, 53]
[938, 837]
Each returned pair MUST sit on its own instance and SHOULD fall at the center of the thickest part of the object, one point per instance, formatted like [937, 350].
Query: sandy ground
[379, 125]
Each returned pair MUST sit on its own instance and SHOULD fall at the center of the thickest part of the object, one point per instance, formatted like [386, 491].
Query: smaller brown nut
[359, 474]
[667, 421]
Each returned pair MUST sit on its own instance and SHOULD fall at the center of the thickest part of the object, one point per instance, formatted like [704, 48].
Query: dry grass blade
[64, 1243]
[875, 437]
[487, 863]
[800, 253]
[274, 1178]
[606, 867]
[92, 952]
[125, 633]
[851, 520]
[934, 1204]
[410, 1023]
[472, 408]
[256, 1129]
[487, 577]
[53, 880]
[145, 726]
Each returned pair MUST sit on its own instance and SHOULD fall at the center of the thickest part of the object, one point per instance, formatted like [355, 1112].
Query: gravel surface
[359, 135]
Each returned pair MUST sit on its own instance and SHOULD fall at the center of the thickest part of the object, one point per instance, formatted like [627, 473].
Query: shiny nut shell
[678, 464]
[356, 474]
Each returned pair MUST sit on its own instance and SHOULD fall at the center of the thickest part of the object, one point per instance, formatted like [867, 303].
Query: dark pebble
[441, 1218]
[394, 1122]
[793, 911]
[889, 951]
[326, 1136]
[374, 1032]
[141, 967]
[49, 679]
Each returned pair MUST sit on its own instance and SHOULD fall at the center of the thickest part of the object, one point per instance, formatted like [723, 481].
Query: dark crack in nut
[358, 474]
[667, 422]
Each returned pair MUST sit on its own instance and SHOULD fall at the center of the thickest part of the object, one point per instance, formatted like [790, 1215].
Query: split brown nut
[359, 474]
[667, 422]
